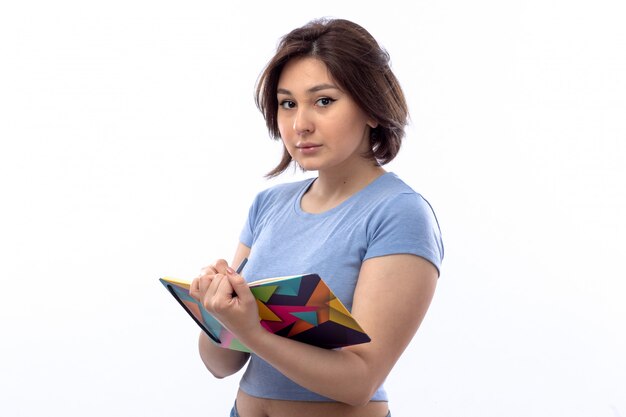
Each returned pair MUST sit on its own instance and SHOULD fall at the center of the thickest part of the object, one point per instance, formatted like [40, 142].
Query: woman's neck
[331, 189]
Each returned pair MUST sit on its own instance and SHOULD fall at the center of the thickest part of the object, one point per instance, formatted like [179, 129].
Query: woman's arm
[222, 362]
[391, 299]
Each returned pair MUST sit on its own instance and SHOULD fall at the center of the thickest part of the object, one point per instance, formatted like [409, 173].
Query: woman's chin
[307, 166]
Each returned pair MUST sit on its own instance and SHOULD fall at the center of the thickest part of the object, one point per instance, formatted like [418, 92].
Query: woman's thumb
[240, 286]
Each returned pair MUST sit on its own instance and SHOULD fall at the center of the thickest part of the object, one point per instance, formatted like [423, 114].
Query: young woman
[330, 96]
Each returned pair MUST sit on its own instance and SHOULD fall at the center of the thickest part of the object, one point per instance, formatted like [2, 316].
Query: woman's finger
[208, 270]
[209, 298]
[199, 287]
[221, 266]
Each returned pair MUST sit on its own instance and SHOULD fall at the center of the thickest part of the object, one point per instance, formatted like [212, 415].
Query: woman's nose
[302, 122]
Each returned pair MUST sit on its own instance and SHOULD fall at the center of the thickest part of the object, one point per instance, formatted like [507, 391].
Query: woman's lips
[308, 148]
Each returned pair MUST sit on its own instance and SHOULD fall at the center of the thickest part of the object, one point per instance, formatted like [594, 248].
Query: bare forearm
[219, 361]
[341, 375]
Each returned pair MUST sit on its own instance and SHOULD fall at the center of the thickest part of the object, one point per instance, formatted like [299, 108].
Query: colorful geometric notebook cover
[300, 307]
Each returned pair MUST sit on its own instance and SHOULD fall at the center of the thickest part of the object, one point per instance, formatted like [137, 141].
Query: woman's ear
[372, 123]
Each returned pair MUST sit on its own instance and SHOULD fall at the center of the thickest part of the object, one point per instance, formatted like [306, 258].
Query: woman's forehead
[306, 74]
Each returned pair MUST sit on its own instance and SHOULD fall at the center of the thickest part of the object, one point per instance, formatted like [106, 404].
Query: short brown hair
[358, 64]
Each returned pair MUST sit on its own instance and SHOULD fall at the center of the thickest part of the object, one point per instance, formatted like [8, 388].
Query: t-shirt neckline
[309, 182]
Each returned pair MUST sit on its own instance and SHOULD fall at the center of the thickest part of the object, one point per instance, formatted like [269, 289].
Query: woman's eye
[324, 101]
[287, 104]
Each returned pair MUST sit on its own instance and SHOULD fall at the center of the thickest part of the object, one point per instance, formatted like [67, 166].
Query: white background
[131, 149]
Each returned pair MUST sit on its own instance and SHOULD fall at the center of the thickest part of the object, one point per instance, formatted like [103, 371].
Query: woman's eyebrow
[313, 89]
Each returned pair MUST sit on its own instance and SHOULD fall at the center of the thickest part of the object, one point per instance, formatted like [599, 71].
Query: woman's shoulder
[404, 215]
[391, 189]
[397, 199]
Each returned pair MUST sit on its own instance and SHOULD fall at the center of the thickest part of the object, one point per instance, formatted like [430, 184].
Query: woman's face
[321, 126]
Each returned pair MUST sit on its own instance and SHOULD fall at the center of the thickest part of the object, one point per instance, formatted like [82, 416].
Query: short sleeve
[406, 224]
[247, 232]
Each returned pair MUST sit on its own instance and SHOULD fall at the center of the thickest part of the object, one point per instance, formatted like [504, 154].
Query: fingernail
[230, 270]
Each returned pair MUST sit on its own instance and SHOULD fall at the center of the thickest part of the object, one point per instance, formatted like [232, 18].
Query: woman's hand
[226, 295]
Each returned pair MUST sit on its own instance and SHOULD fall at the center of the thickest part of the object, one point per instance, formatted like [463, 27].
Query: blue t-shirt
[386, 217]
